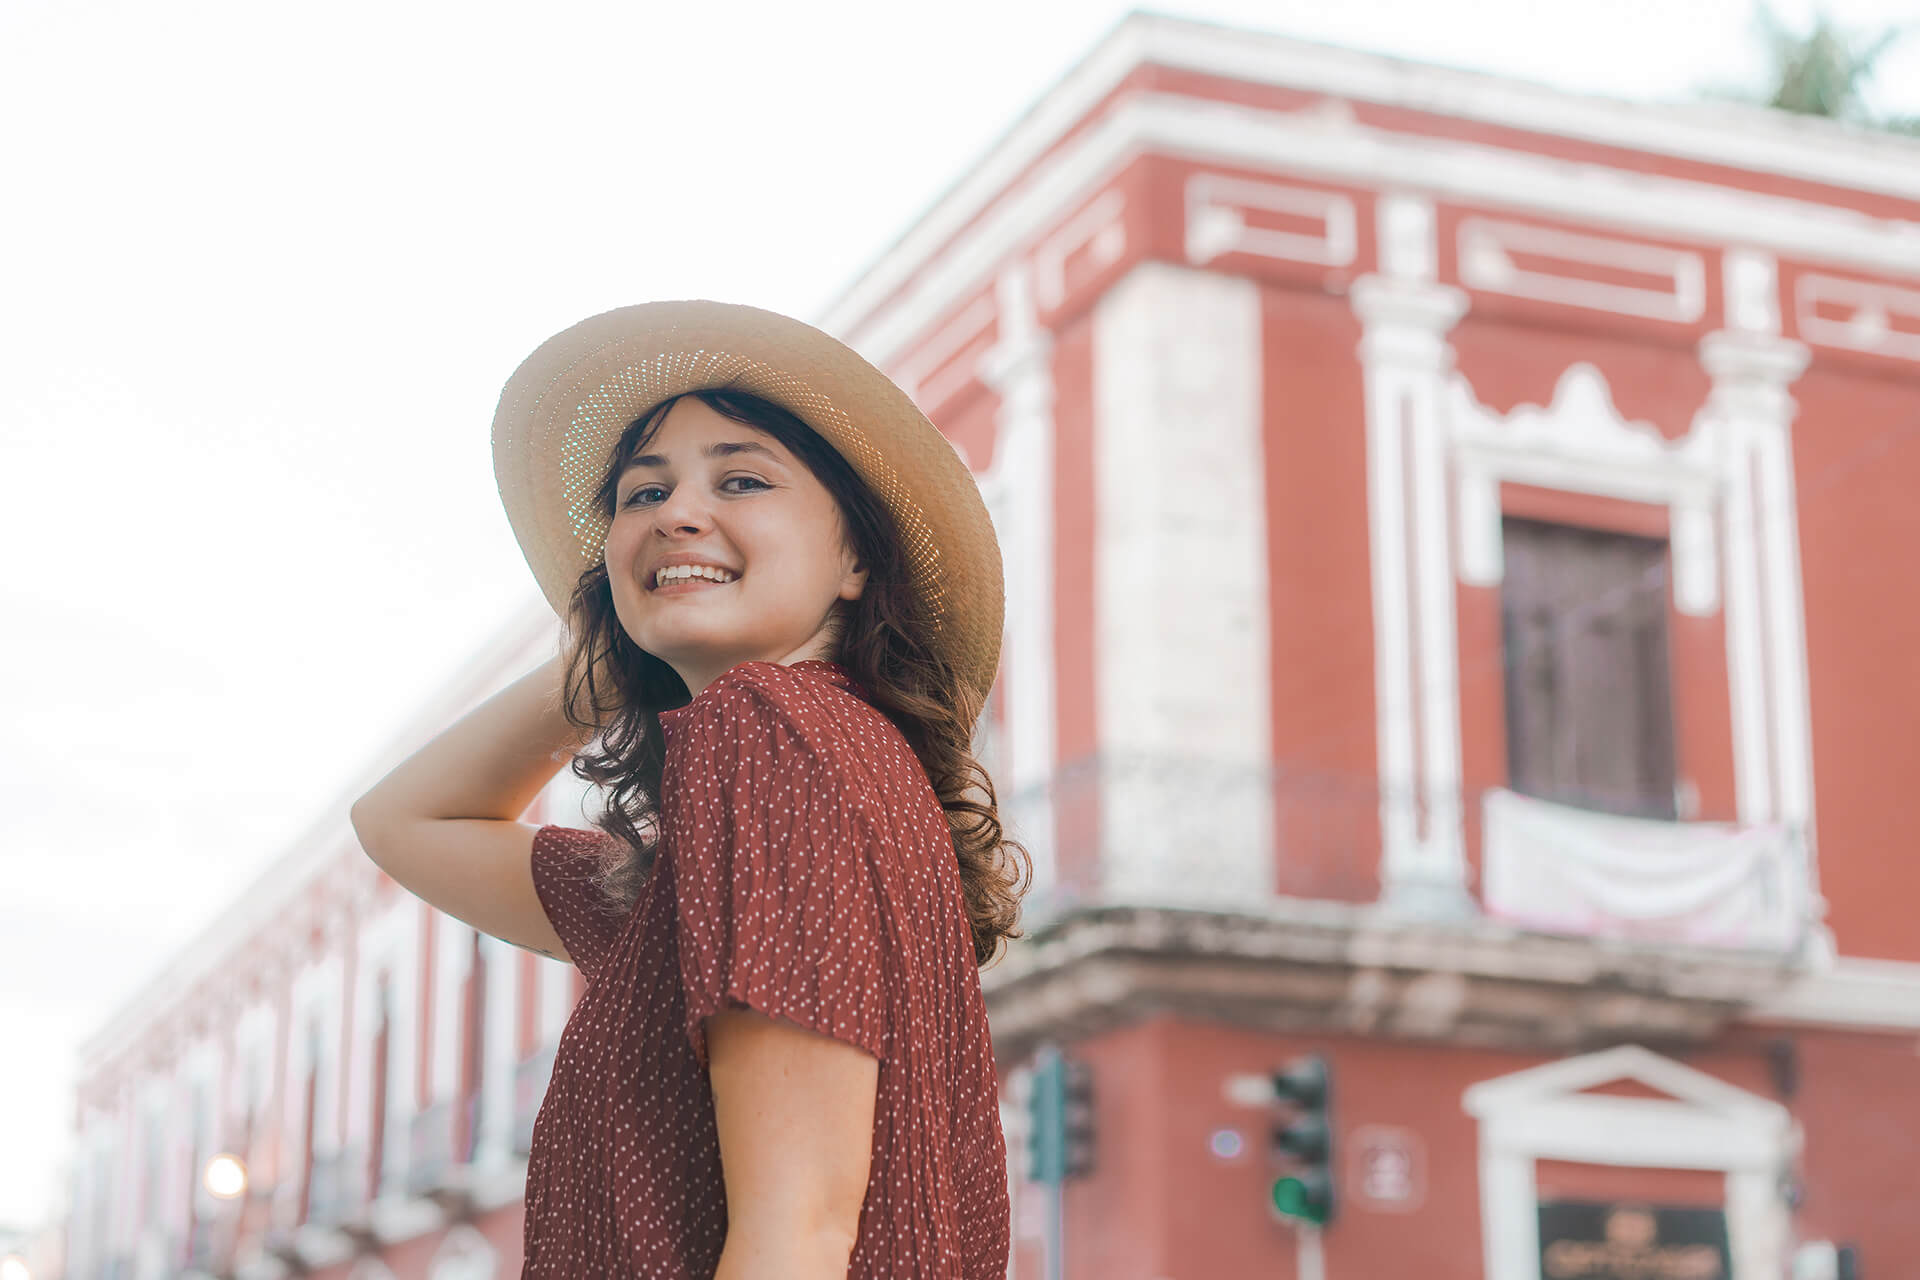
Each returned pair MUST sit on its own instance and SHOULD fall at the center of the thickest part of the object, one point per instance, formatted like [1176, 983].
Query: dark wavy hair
[879, 637]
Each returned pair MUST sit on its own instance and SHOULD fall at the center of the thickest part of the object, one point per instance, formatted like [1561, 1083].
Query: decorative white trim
[1311, 146]
[1751, 283]
[452, 961]
[493, 1147]
[1876, 308]
[1751, 412]
[1019, 368]
[1703, 1123]
[1487, 263]
[1217, 208]
[1181, 589]
[1854, 993]
[1581, 443]
[555, 987]
[1100, 227]
[1404, 359]
[318, 993]
[937, 356]
[389, 944]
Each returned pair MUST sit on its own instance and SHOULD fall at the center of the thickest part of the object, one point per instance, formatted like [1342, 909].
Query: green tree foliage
[1825, 71]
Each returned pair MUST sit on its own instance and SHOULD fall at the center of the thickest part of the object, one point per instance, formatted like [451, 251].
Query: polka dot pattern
[805, 870]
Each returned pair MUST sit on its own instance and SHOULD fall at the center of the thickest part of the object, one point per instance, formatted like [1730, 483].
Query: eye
[634, 497]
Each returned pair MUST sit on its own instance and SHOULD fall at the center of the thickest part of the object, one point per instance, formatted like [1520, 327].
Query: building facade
[1458, 624]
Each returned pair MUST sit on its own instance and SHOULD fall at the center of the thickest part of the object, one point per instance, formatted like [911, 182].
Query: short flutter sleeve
[587, 921]
[778, 879]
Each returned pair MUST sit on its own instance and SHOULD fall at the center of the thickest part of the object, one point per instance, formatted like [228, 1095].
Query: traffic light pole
[1048, 1066]
[1311, 1260]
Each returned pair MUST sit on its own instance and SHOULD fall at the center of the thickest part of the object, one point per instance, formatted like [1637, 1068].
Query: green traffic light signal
[1305, 1197]
[1302, 1137]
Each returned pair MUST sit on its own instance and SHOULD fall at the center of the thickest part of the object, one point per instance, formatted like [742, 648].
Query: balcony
[1260, 896]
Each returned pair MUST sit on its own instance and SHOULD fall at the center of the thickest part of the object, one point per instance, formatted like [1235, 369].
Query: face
[711, 491]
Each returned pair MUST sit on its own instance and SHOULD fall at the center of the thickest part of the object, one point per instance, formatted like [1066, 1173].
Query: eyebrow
[722, 449]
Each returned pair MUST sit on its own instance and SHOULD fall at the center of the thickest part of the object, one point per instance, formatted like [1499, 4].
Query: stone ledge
[1335, 967]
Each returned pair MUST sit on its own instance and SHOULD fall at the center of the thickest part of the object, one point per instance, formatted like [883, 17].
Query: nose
[683, 510]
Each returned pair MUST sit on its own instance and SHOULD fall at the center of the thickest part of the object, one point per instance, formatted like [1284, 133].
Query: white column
[494, 1143]
[403, 1038]
[1405, 316]
[1181, 590]
[556, 999]
[1020, 370]
[452, 960]
[1752, 366]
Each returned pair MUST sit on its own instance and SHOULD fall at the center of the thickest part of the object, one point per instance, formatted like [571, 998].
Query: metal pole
[1049, 1057]
[1312, 1264]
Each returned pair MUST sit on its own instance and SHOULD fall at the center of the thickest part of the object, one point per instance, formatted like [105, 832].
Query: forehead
[692, 430]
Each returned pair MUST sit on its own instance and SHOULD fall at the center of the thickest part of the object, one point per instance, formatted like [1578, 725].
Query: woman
[782, 599]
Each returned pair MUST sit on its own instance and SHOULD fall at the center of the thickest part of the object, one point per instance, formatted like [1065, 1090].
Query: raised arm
[444, 821]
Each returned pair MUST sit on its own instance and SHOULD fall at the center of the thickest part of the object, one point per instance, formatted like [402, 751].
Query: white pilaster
[493, 1147]
[1752, 367]
[1181, 589]
[1405, 316]
[1020, 370]
[452, 962]
[556, 999]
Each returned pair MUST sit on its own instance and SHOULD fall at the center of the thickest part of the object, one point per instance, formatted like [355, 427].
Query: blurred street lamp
[225, 1179]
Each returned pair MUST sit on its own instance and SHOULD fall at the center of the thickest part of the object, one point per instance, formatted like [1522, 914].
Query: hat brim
[563, 409]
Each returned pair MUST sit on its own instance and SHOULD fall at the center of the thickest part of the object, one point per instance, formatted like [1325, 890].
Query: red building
[1456, 535]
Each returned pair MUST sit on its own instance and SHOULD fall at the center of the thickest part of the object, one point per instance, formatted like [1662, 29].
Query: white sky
[265, 270]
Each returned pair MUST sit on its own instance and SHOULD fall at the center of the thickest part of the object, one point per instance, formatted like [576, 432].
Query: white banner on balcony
[1561, 869]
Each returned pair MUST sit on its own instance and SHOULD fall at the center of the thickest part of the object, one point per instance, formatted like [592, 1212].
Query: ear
[854, 581]
[853, 574]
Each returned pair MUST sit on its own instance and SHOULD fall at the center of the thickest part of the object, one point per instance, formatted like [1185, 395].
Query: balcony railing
[1165, 831]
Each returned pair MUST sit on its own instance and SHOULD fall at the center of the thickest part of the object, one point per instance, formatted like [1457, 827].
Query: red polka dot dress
[805, 870]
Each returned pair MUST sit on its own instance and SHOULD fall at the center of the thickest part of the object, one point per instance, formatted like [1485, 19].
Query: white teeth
[683, 572]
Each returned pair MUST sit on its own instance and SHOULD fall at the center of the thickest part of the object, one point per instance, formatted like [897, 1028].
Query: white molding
[1871, 327]
[1486, 263]
[1405, 359]
[1749, 407]
[1855, 994]
[1019, 368]
[1216, 208]
[915, 373]
[1101, 227]
[1765, 142]
[1306, 146]
[493, 1148]
[1580, 443]
[452, 961]
[1702, 1123]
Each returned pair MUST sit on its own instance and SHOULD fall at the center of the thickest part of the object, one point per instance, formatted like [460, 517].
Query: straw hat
[566, 405]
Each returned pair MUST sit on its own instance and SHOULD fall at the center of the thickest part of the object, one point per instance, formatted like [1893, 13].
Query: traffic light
[1059, 1119]
[1303, 1137]
[1077, 1118]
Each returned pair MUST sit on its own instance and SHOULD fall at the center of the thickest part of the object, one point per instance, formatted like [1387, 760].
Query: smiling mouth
[680, 584]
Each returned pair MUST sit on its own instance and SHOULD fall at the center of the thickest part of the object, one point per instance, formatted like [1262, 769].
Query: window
[1589, 710]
